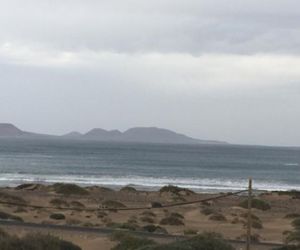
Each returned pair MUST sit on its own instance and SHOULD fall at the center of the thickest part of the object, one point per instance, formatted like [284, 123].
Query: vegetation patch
[69, 189]
[128, 189]
[190, 232]
[34, 242]
[154, 229]
[294, 236]
[177, 215]
[156, 204]
[77, 204]
[176, 190]
[59, 202]
[288, 248]
[7, 216]
[148, 213]
[256, 203]
[126, 226]
[207, 211]
[255, 221]
[253, 238]
[257, 224]
[129, 242]
[147, 219]
[217, 217]
[113, 204]
[200, 242]
[295, 194]
[292, 216]
[296, 223]
[57, 216]
[173, 221]
[11, 198]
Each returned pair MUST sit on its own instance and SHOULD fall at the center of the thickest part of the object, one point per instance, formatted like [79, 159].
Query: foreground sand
[273, 221]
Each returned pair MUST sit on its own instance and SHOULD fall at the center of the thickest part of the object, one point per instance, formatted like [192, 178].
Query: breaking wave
[146, 183]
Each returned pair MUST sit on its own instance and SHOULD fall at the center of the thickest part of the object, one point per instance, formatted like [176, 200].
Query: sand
[273, 220]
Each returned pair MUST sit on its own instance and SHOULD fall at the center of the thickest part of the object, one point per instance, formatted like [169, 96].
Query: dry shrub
[59, 202]
[69, 189]
[147, 219]
[57, 216]
[7, 216]
[217, 217]
[173, 221]
[113, 204]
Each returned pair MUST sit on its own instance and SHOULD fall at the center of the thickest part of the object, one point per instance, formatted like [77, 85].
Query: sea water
[206, 168]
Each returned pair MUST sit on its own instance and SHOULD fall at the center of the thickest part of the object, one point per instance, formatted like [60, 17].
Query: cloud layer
[225, 70]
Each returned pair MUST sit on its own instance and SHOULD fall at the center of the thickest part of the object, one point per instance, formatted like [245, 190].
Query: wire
[126, 208]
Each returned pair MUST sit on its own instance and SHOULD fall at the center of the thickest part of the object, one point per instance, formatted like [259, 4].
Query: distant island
[137, 134]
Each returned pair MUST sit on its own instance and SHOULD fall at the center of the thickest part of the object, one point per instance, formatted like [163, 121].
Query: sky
[221, 69]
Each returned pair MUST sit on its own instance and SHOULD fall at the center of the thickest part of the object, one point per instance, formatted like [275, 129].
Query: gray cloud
[225, 70]
[191, 26]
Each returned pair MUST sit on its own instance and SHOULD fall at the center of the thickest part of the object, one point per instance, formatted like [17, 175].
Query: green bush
[129, 242]
[170, 220]
[34, 242]
[288, 248]
[7, 216]
[296, 223]
[292, 216]
[175, 190]
[217, 217]
[57, 216]
[69, 189]
[113, 204]
[256, 203]
[207, 211]
[59, 202]
[77, 204]
[156, 204]
[154, 229]
[257, 224]
[147, 219]
[127, 226]
[190, 232]
[148, 213]
[177, 215]
[295, 194]
[11, 198]
[200, 242]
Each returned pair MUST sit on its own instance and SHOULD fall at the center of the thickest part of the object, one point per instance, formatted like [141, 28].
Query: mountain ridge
[136, 134]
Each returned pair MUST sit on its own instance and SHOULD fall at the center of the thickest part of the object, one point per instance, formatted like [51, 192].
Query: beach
[102, 207]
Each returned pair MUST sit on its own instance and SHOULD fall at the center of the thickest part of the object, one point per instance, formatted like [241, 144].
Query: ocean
[207, 168]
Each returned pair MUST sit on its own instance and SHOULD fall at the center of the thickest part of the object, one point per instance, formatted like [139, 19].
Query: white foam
[206, 184]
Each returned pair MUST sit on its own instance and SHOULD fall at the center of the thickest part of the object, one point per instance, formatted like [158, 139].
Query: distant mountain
[143, 135]
[73, 135]
[138, 134]
[9, 130]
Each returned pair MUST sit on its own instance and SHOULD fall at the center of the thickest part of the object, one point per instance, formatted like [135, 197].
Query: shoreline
[150, 188]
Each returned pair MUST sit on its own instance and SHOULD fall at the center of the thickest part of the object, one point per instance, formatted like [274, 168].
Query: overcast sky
[218, 69]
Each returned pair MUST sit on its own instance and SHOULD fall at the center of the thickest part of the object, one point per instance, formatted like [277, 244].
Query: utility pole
[249, 222]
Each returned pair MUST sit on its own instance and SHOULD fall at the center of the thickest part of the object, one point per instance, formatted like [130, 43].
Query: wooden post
[249, 222]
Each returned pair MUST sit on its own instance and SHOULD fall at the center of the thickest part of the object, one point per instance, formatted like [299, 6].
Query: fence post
[249, 222]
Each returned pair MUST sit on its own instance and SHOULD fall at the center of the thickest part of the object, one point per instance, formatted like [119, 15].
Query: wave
[292, 164]
[147, 183]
